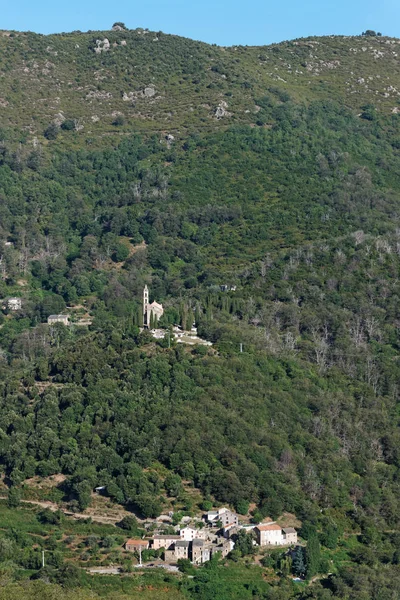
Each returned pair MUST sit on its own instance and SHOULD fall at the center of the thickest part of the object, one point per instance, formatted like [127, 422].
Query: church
[151, 312]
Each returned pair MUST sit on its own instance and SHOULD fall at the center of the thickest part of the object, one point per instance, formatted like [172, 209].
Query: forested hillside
[256, 191]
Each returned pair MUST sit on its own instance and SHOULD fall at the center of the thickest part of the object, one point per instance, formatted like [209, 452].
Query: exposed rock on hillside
[102, 46]
[197, 80]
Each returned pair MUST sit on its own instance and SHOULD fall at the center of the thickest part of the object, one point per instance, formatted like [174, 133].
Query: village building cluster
[217, 536]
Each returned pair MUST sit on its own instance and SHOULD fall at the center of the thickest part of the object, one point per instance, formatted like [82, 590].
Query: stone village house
[272, 534]
[226, 516]
[135, 545]
[164, 541]
[189, 534]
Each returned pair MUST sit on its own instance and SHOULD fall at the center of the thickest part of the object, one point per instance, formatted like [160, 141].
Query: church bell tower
[145, 304]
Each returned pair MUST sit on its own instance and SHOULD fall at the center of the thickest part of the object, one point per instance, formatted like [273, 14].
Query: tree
[371, 33]
[92, 541]
[285, 565]
[68, 575]
[14, 497]
[108, 541]
[129, 523]
[55, 559]
[52, 304]
[298, 562]
[173, 484]
[330, 535]
[7, 549]
[149, 506]
[185, 566]
[34, 160]
[177, 518]
[47, 516]
[121, 253]
[82, 489]
[313, 556]
[244, 543]
[242, 507]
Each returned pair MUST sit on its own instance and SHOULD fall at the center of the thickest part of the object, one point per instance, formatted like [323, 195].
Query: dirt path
[105, 570]
[52, 506]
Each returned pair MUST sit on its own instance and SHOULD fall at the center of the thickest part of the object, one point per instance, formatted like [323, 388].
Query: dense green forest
[276, 229]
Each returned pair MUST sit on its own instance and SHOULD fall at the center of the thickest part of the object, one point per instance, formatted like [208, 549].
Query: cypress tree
[184, 316]
[298, 564]
[190, 319]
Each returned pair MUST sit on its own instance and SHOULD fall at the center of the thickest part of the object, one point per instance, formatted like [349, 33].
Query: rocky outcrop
[102, 46]
[149, 91]
[169, 138]
[59, 119]
[128, 97]
[98, 95]
[221, 112]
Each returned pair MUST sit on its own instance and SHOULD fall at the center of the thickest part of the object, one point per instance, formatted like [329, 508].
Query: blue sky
[225, 22]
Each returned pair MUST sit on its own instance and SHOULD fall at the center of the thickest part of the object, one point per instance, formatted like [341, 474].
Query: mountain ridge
[173, 84]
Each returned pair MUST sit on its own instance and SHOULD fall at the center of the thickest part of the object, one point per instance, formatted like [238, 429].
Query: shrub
[119, 121]
[68, 125]
[51, 132]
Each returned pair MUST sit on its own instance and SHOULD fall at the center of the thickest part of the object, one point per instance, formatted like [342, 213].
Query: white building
[290, 535]
[272, 534]
[190, 533]
[226, 516]
[64, 319]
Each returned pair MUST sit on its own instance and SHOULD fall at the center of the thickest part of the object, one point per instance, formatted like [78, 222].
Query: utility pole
[43, 559]
[241, 347]
[140, 556]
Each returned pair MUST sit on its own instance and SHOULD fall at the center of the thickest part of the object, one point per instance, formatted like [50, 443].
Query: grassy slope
[62, 73]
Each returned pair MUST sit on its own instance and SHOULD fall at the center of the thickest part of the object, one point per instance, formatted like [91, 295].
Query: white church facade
[151, 312]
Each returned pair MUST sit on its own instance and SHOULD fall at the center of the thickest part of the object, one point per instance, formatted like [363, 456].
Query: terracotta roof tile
[269, 527]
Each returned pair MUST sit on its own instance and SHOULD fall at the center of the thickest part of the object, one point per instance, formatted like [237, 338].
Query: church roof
[154, 305]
